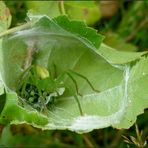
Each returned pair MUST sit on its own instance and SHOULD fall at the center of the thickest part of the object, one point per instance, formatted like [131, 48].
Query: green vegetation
[63, 84]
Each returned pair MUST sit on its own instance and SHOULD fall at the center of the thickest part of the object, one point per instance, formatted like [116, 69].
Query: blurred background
[124, 23]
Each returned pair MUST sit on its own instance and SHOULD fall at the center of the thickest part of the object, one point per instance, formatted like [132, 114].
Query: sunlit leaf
[5, 17]
[121, 77]
[50, 8]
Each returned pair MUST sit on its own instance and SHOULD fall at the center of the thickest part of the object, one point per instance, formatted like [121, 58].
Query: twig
[18, 28]
[117, 138]
[87, 140]
[139, 136]
[61, 7]
[91, 143]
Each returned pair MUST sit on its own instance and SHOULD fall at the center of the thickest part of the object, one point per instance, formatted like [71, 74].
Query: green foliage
[134, 24]
[50, 8]
[58, 42]
[88, 11]
[55, 73]
[5, 17]
[18, 11]
[115, 41]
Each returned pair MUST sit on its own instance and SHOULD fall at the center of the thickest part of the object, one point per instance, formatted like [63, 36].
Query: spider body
[40, 90]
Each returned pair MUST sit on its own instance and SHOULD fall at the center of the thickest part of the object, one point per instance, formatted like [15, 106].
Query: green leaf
[58, 42]
[137, 93]
[5, 22]
[50, 8]
[12, 110]
[5, 17]
[114, 56]
[88, 11]
[1, 69]
[115, 41]
[80, 29]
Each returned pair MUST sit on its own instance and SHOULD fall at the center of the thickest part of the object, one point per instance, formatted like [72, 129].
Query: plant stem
[15, 29]
[62, 8]
[116, 138]
[87, 140]
[139, 136]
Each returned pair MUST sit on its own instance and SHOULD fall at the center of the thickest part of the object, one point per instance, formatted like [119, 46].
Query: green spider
[40, 90]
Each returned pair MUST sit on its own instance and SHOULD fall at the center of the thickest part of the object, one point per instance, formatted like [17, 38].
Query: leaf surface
[5, 17]
[58, 45]
[50, 8]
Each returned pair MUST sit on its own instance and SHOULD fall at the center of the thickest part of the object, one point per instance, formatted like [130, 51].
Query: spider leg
[55, 70]
[22, 76]
[75, 83]
[61, 77]
[83, 77]
[79, 105]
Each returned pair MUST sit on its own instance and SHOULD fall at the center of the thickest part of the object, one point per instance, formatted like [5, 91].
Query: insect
[40, 90]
